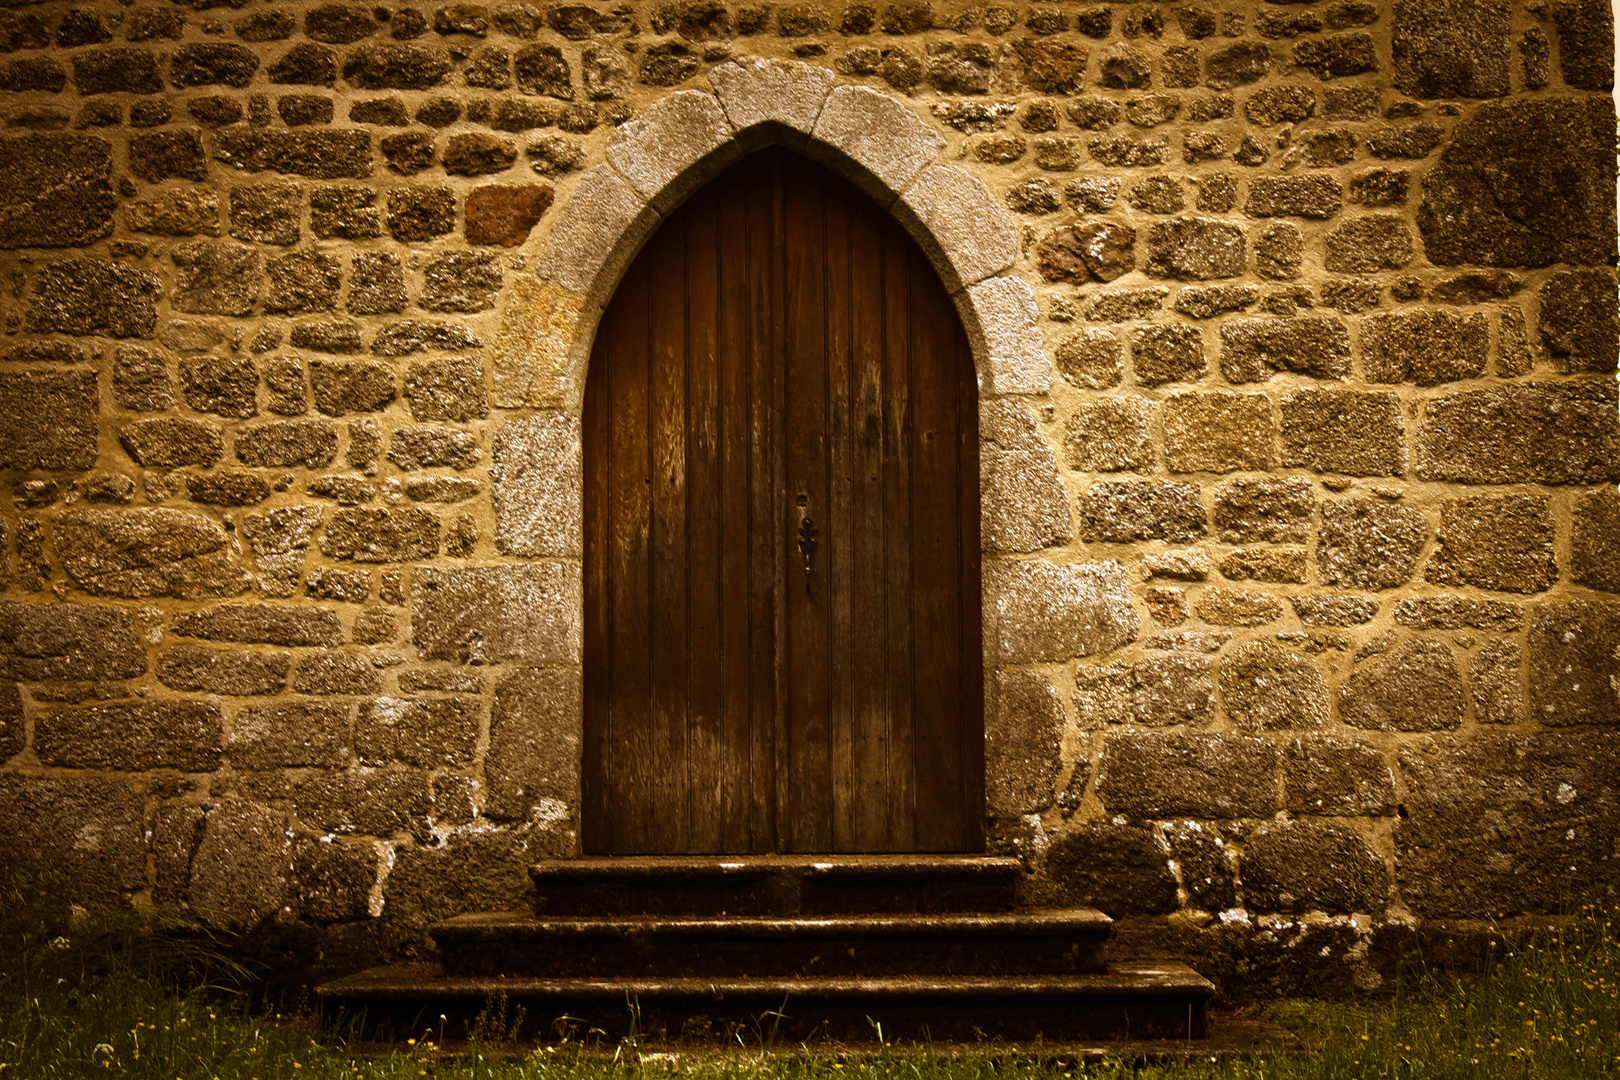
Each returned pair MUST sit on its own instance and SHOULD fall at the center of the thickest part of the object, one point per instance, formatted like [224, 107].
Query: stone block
[478, 153]
[1265, 511]
[416, 214]
[57, 190]
[1208, 301]
[1333, 777]
[1595, 547]
[537, 486]
[382, 534]
[1585, 44]
[1476, 210]
[116, 71]
[93, 297]
[1424, 347]
[1091, 359]
[128, 737]
[286, 443]
[1265, 687]
[535, 738]
[1125, 512]
[1166, 354]
[1224, 606]
[1039, 611]
[58, 641]
[216, 279]
[1457, 613]
[239, 875]
[1414, 687]
[427, 732]
[1023, 731]
[1168, 691]
[1495, 676]
[97, 871]
[428, 447]
[1024, 505]
[266, 213]
[1538, 433]
[666, 141]
[12, 735]
[296, 734]
[1369, 545]
[1498, 542]
[224, 386]
[1150, 774]
[1206, 864]
[333, 881]
[1580, 320]
[1300, 866]
[1575, 662]
[147, 552]
[461, 281]
[1294, 196]
[1502, 825]
[48, 419]
[505, 214]
[975, 235]
[877, 133]
[234, 672]
[1369, 244]
[755, 91]
[262, 624]
[1453, 48]
[376, 802]
[530, 613]
[1195, 249]
[337, 673]
[1289, 103]
[1279, 251]
[1253, 350]
[1357, 433]
[1003, 328]
[1110, 435]
[1238, 65]
[1117, 869]
[583, 245]
[1218, 432]
[342, 387]
[140, 379]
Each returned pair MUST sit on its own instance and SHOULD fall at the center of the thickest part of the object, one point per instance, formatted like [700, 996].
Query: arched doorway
[782, 598]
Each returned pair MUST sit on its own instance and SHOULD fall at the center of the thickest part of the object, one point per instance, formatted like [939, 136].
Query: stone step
[1131, 1001]
[775, 885]
[1069, 942]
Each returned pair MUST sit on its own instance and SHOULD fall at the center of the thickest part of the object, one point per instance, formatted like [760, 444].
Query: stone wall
[1296, 325]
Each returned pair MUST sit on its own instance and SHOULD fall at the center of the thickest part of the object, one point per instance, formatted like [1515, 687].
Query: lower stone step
[1132, 1001]
[774, 884]
[1066, 942]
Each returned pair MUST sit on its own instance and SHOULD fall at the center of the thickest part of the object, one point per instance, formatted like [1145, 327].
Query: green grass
[167, 1003]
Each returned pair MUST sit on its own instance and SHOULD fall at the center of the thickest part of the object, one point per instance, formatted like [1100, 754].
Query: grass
[167, 1003]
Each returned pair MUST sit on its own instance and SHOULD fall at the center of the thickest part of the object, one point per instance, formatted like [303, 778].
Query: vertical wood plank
[838, 538]
[706, 808]
[809, 597]
[869, 766]
[767, 579]
[970, 666]
[628, 776]
[595, 823]
[899, 677]
[666, 267]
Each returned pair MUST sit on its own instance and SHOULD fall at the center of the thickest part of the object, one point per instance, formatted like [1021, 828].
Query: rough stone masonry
[1296, 325]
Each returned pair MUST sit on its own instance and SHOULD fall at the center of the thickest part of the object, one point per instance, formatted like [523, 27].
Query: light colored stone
[877, 133]
[596, 234]
[1025, 505]
[535, 734]
[659, 147]
[977, 237]
[239, 874]
[1006, 338]
[1041, 611]
[538, 477]
[1021, 744]
[756, 91]
[531, 362]
[489, 614]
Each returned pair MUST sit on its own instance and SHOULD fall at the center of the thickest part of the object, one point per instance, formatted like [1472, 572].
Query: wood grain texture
[781, 350]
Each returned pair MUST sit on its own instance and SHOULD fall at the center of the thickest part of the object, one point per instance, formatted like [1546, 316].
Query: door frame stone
[549, 319]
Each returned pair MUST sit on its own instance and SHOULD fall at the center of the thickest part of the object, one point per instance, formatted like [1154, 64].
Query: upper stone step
[1056, 942]
[774, 885]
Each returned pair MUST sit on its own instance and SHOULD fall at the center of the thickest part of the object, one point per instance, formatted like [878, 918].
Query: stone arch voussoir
[688, 137]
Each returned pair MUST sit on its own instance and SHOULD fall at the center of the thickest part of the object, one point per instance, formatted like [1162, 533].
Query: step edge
[519, 924]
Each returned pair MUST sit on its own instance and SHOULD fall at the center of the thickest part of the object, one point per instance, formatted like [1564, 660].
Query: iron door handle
[807, 543]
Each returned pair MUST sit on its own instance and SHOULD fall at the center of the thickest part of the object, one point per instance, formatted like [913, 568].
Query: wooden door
[781, 351]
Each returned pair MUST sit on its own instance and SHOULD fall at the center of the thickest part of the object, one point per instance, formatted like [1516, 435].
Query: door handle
[807, 543]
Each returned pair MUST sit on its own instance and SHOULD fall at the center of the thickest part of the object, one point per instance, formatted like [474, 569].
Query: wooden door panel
[781, 350]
